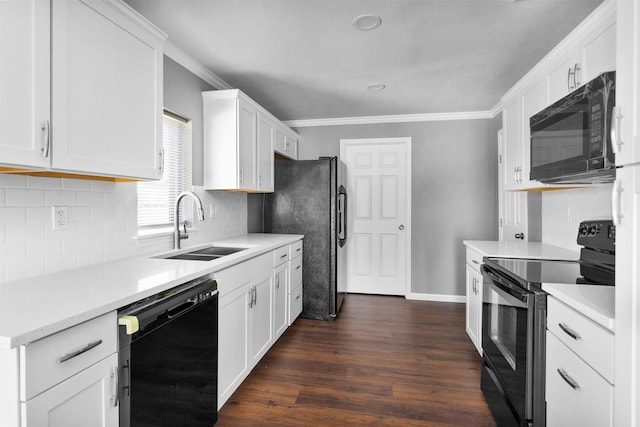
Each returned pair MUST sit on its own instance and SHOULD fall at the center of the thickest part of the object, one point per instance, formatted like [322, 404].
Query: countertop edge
[258, 244]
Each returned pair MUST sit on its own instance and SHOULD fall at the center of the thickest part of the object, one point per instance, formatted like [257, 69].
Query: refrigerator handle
[342, 226]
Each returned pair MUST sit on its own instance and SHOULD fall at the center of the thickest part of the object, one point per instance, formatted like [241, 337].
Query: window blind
[156, 199]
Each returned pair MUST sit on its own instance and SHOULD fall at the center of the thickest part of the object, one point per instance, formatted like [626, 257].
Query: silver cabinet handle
[114, 382]
[616, 142]
[277, 281]
[572, 383]
[401, 227]
[567, 330]
[475, 261]
[576, 76]
[298, 267]
[161, 167]
[80, 351]
[46, 128]
[284, 256]
[241, 176]
[519, 236]
[615, 202]
[298, 297]
[569, 73]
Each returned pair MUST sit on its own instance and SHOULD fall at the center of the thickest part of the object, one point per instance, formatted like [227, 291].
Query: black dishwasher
[168, 358]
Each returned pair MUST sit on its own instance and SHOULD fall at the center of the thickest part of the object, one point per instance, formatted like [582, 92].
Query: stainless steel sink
[206, 254]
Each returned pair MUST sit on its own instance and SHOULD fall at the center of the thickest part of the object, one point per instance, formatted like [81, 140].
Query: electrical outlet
[213, 210]
[59, 218]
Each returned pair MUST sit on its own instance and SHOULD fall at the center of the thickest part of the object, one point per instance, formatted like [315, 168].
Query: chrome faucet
[177, 236]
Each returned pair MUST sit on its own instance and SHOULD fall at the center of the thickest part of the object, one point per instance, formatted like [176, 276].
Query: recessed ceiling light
[367, 22]
[375, 87]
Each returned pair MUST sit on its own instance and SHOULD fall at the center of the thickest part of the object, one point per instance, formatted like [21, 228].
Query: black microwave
[571, 139]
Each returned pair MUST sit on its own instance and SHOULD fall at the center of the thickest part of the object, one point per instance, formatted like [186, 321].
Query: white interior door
[379, 215]
[512, 204]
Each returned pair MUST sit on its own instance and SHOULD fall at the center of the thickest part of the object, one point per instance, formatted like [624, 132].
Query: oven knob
[583, 230]
[593, 230]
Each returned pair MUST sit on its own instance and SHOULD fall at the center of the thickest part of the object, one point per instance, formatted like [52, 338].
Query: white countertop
[594, 301]
[36, 307]
[511, 249]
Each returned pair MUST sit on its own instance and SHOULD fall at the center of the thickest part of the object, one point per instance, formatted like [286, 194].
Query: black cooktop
[532, 273]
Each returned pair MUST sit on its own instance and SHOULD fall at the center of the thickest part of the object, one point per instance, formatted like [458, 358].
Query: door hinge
[500, 222]
[500, 158]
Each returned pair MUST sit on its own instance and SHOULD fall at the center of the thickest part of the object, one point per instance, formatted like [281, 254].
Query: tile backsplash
[102, 224]
[562, 212]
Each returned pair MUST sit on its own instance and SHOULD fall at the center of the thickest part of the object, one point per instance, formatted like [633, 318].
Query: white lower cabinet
[474, 298]
[280, 296]
[65, 379]
[85, 399]
[294, 307]
[244, 321]
[579, 369]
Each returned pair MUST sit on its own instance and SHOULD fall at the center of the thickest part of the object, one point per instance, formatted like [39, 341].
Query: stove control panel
[599, 235]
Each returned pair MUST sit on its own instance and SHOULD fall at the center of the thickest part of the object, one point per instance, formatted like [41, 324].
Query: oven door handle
[503, 284]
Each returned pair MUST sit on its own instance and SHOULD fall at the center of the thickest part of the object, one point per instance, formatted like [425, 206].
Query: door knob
[401, 227]
[519, 236]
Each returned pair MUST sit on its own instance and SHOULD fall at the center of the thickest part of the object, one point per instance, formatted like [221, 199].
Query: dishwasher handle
[152, 316]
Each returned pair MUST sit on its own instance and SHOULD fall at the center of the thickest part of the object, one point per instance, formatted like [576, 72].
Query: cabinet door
[279, 140]
[86, 399]
[233, 341]
[291, 146]
[107, 92]
[598, 49]
[513, 144]
[559, 75]
[280, 295]
[24, 82]
[261, 321]
[627, 83]
[530, 104]
[265, 153]
[247, 149]
[474, 307]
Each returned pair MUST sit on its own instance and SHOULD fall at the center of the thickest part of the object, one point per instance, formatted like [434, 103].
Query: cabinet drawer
[474, 258]
[295, 304]
[50, 360]
[589, 403]
[295, 249]
[592, 343]
[296, 273]
[280, 255]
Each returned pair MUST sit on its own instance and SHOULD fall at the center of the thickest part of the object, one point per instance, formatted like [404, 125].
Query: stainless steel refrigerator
[310, 198]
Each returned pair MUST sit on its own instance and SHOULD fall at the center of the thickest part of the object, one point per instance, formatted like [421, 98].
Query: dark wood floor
[385, 361]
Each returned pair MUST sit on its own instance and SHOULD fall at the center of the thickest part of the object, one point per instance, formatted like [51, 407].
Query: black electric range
[514, 318]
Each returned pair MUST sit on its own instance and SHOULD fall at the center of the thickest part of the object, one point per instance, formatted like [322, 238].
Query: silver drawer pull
[298, 267]
[574, 385]
[298, 250]
[567, 330]
[298, 297]
[284, 255]
[82, 350]
[475, 261]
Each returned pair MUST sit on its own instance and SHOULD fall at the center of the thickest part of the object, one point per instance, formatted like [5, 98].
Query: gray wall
[454, 190]
[183, 96]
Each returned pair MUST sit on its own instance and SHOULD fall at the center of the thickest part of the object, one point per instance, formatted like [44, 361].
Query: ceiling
[303, 59]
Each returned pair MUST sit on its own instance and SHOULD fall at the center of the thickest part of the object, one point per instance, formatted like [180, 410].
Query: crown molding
[497, 109]
[403, 118]
[188, 62]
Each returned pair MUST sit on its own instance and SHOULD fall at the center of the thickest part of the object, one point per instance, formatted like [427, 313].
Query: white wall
[102, 224]
[562, 212]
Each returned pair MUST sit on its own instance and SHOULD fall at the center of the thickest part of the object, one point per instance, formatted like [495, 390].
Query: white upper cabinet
[266, 128]
[586, 53]
[285, 143]
[239, 142]
[105, 95]
[24, 82]
[625, 136]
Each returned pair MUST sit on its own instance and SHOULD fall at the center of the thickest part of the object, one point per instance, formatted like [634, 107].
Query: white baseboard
[436, 297]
